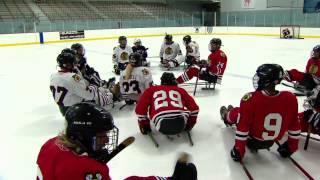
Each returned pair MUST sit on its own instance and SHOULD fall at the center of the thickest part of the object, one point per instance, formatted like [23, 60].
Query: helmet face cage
[255, 82]
[137, 42]
[168, 39]
[107, 140]
[122, 41]
[186, 40]
[316, 52]
[214, 44]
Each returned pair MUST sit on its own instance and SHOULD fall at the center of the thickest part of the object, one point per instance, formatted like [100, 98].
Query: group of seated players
[263, 117]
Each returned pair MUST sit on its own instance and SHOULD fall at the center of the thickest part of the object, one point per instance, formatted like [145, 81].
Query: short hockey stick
[312, 138]
[190, 138]
[298, 165]
[153, 139]
[195, 87]
[307, 138]
[119, 148]
[122, 106]
[246, 170]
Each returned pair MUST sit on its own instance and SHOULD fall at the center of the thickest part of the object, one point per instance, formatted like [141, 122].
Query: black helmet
[122, 38]
[266, 75]
[168, 78]
[216, 41]
[168, 37]
[68, 50]
[187, 39]
[135, 59]
[317, 48]
[76, 46]
[84, 121]
[64, 59]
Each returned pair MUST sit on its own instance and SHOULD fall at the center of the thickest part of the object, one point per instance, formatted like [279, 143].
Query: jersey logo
[313, 69]
[145, 72]
[246, 97]
[124, 56]
[91, 176]
[189, 49]
[76, 77]
[222, 54]
[168, 51]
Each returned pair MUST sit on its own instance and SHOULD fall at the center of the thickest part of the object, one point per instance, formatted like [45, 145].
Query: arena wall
[53, 37]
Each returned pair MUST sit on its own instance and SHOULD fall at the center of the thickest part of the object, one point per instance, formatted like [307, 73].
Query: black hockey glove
[184, 171]
[145, 130]
[307, 114]
[283, 150]
[235, 154]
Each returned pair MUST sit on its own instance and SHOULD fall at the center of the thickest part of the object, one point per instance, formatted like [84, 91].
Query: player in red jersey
[170, 108]
[310, 117]
[82, 151]
[211, 72]
[306, 80]
[264, 115]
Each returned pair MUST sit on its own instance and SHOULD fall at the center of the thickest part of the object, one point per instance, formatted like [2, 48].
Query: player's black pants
[172, 125]
[255, 144]
[205, 75]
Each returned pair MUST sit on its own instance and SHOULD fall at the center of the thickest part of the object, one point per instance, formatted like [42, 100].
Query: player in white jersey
[69, 88]
[135, 79]
[192, 51]
[170, 53]
[121, 53]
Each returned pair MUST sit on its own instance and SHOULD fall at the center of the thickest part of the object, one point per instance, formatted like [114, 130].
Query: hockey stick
[307, 138]
[189, 137]
[296, 94]
[246, 170]
[122, 106]
[298, 165]
[153, 139]
[119, 148]
[312, 138]
[195, 87]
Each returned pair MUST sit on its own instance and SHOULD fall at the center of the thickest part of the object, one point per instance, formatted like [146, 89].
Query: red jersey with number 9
[266, 117]
[166, 101]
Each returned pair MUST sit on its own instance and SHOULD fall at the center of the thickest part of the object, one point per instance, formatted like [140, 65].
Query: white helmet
[137, 41]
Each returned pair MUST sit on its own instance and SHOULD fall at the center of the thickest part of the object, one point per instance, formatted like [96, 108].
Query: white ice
[29, 116]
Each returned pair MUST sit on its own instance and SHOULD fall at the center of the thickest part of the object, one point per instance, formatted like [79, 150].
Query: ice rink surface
[29, 116]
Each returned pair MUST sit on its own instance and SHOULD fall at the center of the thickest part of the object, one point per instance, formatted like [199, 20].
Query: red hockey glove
[190, 124]
[144, 126]
[235, 154]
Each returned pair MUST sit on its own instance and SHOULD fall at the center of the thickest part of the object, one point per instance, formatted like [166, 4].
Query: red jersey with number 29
[166, 100]
[266, 117]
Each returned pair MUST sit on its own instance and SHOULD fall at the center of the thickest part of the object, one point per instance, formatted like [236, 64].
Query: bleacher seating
[91, 10]
[15, 10]
[57, 11]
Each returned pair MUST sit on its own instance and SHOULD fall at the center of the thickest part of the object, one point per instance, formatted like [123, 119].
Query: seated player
[170, 108]
[170, 53]
[120, 57]
[310, 117]
[84, 148]
[309, 79]
[192, 51]
[135, 80]
[286, 33]
[69, 88]
[87, 72]
[264, 116]
[139, 48]
[211, 72]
